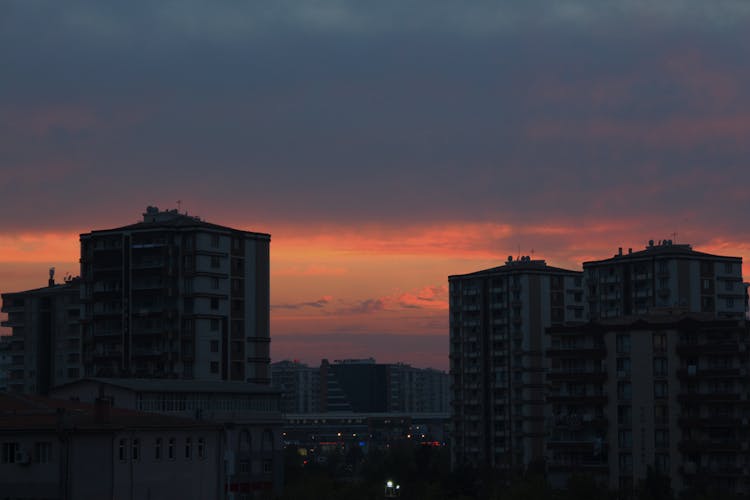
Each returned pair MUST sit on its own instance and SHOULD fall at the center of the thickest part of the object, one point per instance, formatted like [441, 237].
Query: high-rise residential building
[666, 393]
[175, 296]
[662, 275]
[498, 318]
[44, 348]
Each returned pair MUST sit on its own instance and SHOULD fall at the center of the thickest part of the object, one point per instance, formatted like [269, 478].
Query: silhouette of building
[665, 275]
[247, 414]
[299, 385]
[175, 296]
[497, 321]
[360, 386]
[44, 348]
[65, 449]
[666, 393]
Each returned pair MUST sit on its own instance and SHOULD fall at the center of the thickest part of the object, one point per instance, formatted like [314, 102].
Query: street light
[391, 489]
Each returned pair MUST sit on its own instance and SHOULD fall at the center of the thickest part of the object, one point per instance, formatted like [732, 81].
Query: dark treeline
[423, 473]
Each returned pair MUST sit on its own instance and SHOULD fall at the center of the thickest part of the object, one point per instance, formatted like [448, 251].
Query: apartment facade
[666, 392]
[665, 275]
[175, 296]
[498, 318]
[44, 348]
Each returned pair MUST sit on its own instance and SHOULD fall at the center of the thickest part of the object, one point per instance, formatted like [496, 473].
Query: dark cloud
[380, 111]
[316, 304]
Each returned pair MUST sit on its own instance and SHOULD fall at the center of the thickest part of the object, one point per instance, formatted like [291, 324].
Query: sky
[384, 145]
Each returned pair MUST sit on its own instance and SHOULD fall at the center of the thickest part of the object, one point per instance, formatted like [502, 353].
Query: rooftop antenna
[674, 237]
[519, 252]
[532, 253]
[179, 205]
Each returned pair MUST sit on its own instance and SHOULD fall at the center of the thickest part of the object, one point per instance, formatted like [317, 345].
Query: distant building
[360, 386]
[175, 296]
[666, 392]
[248, 414]
[665, 275]
[299, 385]
[44, 348]
[498, 318]
[51, 449]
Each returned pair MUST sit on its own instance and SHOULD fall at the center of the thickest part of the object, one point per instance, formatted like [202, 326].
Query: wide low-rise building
[248, 414]
[52, 449]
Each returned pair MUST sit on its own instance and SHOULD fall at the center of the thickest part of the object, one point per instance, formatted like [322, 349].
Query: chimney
[619, 251]
[630, 250]
[51, 281]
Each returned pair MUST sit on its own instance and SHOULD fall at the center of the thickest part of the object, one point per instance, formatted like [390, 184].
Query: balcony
[706, 347]
[709, 397]
[588, 376]
[711, 373]
[586, 399]
[709, 445]
[575, 352]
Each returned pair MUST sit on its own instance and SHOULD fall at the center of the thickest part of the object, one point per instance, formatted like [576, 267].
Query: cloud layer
[385, 145]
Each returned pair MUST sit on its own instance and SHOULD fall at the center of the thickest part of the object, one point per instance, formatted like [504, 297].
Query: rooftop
[662, 247]
[26, 412]
[153, 218]
[178, 385]
[522, 264]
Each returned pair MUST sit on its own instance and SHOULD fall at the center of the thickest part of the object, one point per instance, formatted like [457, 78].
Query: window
[624, 391]
[623, 343]
[624, 415]
[660, 367]
[214, 303]
[170, 449]
[123, 450]
[214, 367]
[660, 389]
[188, 447]
[661, 438]
[215, 240]
[244, 467]
[214, 346]
[661, 463]
[215, 262]
[214, 326]
[157, 449]
[661, 415]
[660, 342]
[201, 448]
[623, 367]
[9, 453]
[730, 303]
[728, 267]
[42, 452]
[267, 467]
[626, 463]
[625, 438]
[706, 284]
[215, 283]
[728, 286]
[136, 450]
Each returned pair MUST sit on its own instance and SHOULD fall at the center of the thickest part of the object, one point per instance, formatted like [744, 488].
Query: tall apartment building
[666, 392]
[175, 296]
[498, 318]
[44, 348]
[665, 275]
